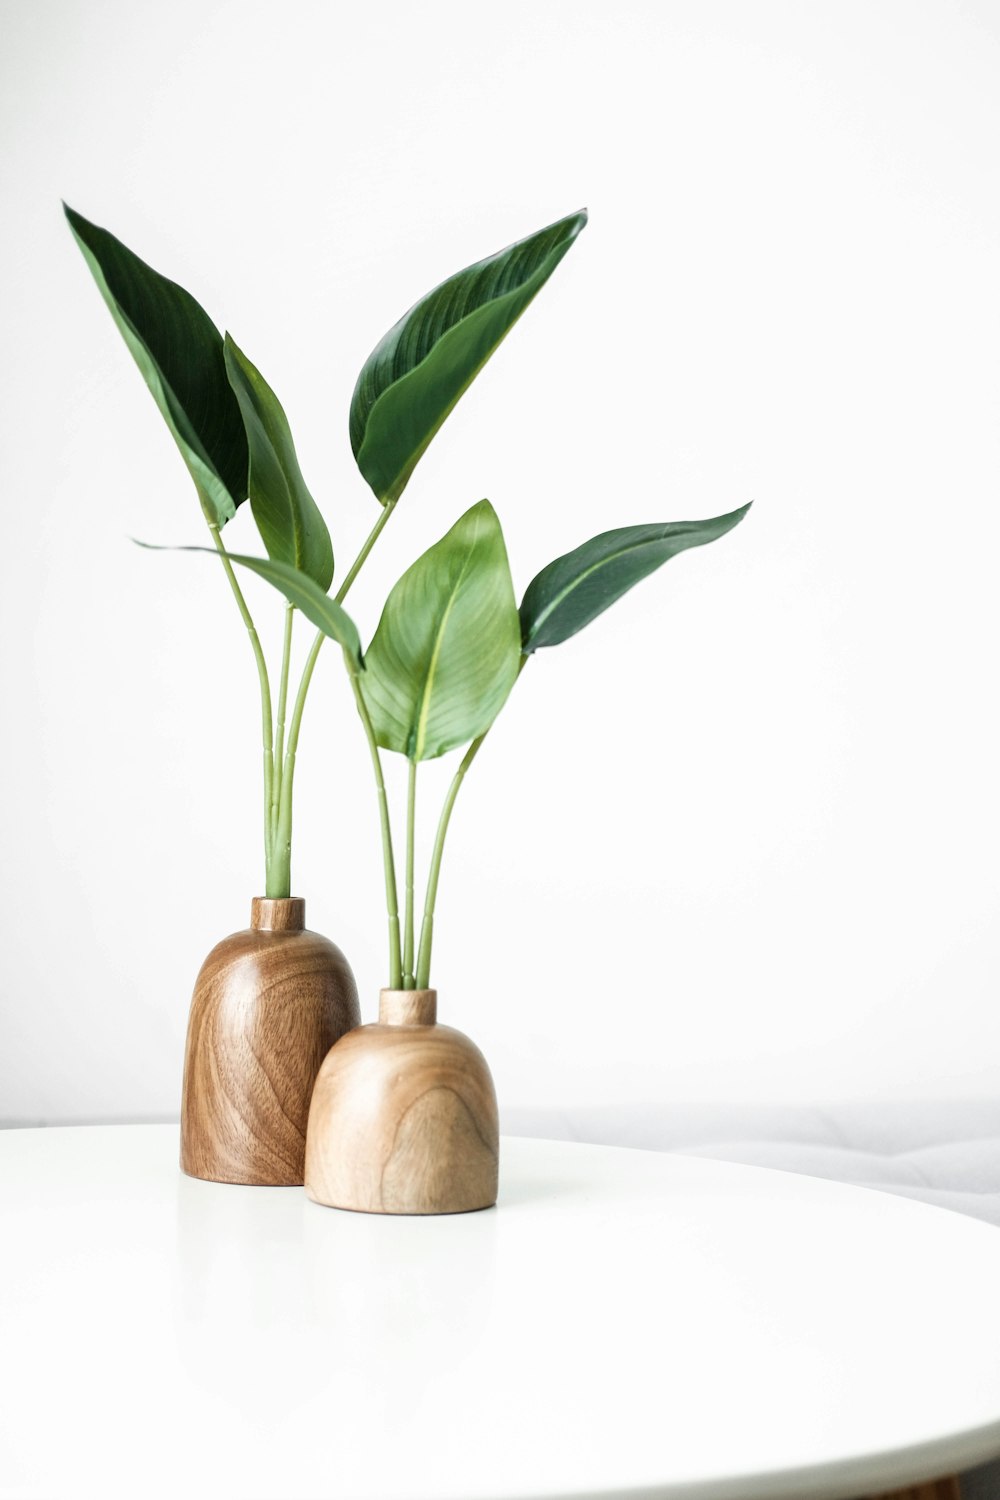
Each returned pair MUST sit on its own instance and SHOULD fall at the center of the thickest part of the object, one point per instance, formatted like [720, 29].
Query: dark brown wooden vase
[268, 1005]
[404, 1117]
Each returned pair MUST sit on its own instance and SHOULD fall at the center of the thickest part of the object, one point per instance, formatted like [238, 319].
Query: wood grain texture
[935, 1489]
[268, 1005]
[404, 1117]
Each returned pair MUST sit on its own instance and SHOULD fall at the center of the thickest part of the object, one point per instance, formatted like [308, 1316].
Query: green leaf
[299, 589]
[417, 373]
[576, 588]
[447, 648]
[287, 516]
[179, 351]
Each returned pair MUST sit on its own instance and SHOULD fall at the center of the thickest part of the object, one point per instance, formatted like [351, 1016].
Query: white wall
[738, 840]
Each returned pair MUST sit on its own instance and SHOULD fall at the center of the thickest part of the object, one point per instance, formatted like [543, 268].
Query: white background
[737, 841]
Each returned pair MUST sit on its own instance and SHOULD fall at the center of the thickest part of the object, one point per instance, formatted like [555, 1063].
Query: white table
[624, 1324]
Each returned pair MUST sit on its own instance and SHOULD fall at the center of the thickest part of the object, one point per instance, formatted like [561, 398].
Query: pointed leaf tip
[179, 352]
[298, 588]
[577, 587]
[418, 372]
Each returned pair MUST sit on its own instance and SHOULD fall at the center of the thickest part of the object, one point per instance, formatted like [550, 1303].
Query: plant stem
[388, 862]
[279, 732]
[282, 852]
[358, 562]
[265, 691]
[411, 811]
[423, 974]
[427, 925]
[282, 795]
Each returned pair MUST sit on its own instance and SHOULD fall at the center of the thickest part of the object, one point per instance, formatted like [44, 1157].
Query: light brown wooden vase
[268, 1005]
[404, 1117]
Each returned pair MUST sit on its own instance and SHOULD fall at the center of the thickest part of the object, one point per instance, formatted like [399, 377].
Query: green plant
[233, 436]
[449, 647]
[451, 641]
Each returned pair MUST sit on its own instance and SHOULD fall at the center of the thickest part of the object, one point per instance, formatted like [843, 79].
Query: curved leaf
[287, 516]
[416, 374]
[179, 352]
[576, 588]
[447, 648]
[299, 589]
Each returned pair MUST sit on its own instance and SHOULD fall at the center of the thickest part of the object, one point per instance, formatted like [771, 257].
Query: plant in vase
[403, 1116]
[271, 1001]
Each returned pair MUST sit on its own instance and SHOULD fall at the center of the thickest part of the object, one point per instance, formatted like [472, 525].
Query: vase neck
[274, 914]
[407, 1007]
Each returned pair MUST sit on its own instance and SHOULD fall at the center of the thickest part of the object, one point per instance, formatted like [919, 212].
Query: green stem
[339, 597]
[411, 812]
[358, 562]
[265, 691]
[282, 796]
[388, 862]
[279, 733]
[283, 833]
[427, 926]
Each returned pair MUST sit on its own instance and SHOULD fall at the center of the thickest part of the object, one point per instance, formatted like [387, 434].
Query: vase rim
[407, 1007]
[278, 913]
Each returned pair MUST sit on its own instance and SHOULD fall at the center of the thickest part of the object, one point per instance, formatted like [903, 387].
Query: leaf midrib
[291, 509]
[399, 484]
[419, 739]
[119, 315]
[190, 439]
[557, 249]
[580, 578]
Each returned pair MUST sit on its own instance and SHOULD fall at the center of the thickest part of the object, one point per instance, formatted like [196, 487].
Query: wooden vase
[404, 1117]
[268, 1005]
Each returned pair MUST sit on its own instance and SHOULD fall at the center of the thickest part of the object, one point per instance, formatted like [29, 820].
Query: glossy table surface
[624, 1324]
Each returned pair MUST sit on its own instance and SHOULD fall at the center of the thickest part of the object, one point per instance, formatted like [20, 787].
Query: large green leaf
[179, 351]
[299, 589]
[416, 374]
[576, 588]
[287, 516]
[447, 648]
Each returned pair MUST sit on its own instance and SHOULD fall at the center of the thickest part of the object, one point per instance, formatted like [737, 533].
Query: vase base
[403, 1117]
[398, 1213]
[236, 1180]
